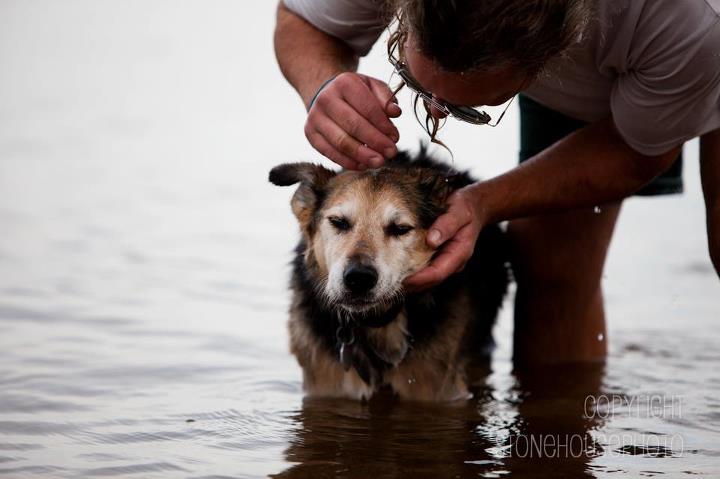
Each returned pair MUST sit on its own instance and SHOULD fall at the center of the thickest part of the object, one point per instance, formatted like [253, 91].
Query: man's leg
[710, 174]
[558, 263]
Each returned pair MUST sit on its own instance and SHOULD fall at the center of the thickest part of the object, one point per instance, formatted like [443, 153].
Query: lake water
[143, 272]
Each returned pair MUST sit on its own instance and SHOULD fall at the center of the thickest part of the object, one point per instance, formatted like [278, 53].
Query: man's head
[474, 53]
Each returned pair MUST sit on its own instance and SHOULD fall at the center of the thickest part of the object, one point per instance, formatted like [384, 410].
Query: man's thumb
[434, 237]
[443, 229]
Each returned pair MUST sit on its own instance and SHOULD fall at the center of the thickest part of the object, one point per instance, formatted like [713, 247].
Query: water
[143, 266]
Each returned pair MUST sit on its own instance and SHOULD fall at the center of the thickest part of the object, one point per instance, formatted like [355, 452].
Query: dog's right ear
[313, 180]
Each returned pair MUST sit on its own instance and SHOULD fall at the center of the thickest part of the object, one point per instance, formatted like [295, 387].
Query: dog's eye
[340, 224]
[394, 229]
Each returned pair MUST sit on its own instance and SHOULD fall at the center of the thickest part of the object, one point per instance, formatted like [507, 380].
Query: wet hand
[457, 231]
[349, 122]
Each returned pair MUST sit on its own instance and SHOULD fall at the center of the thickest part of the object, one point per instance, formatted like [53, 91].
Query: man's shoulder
[641, 34]
[336, 7]
[714, 5]
[357, 22]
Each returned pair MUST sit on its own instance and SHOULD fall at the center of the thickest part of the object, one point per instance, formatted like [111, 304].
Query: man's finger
[359, 128]
[321, 144]
[356, 94]
[383, 93]
[341, 140]
[426, 278]
[450, 260]
[445, 227]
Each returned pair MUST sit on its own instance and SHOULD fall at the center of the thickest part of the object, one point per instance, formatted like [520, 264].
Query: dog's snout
[360, 278]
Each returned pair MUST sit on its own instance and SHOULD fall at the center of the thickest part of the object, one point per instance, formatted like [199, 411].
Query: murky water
[143, 270]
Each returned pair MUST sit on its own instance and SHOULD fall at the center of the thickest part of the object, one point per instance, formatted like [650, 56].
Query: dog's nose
[360, 278]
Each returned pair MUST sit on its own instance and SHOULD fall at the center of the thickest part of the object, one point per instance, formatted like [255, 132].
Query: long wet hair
[485, 35]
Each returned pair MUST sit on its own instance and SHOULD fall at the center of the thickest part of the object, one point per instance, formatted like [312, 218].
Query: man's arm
[349, 122]
[590, 167]
[710, 174]
[307, 56]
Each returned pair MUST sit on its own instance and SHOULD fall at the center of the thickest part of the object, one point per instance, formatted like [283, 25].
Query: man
[612, 90]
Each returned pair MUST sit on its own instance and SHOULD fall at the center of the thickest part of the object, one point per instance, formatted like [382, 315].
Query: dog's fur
[357, 226]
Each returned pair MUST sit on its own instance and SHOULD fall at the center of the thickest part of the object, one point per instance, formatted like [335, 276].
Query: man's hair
[486, 35]
[483, 35]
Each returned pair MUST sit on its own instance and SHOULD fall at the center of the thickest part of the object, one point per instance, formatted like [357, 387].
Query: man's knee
[562, 255]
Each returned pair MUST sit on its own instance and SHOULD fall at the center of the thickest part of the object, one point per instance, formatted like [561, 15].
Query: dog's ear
[435, 188]
[307, 173]
[456, 181]
[313, 180]
[438, 187]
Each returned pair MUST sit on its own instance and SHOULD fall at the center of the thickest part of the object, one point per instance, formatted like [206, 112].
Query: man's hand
[457, 230]
[350, 124]
[349, 121]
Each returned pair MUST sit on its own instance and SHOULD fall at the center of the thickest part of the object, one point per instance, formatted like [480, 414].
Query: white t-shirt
[654, 65]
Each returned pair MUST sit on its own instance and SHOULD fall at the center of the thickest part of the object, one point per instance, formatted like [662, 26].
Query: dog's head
[364, 231]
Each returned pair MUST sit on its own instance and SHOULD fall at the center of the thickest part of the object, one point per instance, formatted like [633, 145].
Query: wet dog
[353, 328]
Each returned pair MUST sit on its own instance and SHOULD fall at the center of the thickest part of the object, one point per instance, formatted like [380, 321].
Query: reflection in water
[497, 432]
[552, 435]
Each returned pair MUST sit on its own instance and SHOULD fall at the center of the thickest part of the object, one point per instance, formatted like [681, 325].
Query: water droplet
[597, 210]
[601, 336]
[411, 380]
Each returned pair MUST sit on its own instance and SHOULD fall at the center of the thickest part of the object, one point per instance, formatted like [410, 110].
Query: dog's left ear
[435, 190]
[438, 187]
[313, 180]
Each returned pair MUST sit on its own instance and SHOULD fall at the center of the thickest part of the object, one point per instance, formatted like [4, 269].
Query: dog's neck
[372, 344]
[373, 318]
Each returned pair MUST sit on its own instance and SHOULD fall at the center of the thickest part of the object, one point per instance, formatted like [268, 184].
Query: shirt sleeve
[358, 23]
[671, 93]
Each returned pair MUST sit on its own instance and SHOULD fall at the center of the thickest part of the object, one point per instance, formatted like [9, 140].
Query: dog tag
[345, 336]
[345, 357]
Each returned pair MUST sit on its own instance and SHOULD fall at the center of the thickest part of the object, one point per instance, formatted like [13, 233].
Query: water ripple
[131, 469]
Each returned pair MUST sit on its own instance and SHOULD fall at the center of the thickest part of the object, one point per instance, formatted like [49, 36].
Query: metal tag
[345, 357]
[345, 334]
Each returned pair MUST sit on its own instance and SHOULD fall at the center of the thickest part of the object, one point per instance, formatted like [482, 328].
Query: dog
[353, 328]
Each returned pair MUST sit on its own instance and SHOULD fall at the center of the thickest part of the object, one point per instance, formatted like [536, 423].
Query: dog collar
[355, 352]
[378, 320]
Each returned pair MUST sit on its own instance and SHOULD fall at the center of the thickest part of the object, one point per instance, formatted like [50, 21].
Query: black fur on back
[486, 274]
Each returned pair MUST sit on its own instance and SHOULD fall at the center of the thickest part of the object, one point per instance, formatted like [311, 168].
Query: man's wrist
[309, 105]
[486, 209]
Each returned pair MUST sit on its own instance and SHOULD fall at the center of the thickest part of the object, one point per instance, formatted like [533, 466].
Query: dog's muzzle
[360, 278]
[366, 309]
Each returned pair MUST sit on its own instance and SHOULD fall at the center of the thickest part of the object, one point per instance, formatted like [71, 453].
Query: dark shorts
[540, 127]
